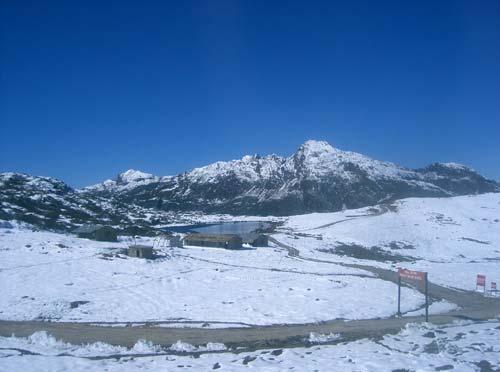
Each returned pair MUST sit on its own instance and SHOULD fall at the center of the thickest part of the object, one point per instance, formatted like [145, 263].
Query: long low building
[96, 232]
[228, 241]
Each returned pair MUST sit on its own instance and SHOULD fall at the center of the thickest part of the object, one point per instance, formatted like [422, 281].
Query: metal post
[426, 298]
[399, 295]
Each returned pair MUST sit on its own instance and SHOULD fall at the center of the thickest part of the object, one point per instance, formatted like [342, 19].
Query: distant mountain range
[316, 178]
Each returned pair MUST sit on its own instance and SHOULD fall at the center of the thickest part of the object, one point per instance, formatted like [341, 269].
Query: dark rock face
[457, 179]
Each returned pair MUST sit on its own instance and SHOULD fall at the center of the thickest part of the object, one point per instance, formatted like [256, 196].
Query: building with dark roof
[228, 241]
[96, 232]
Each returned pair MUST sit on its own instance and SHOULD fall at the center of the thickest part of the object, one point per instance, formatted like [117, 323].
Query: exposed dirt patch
[399, 245]
[75, 304]
[366, 253]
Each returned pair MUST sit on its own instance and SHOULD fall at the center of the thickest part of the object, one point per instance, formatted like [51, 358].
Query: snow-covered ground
[64, 278]
[454, 239]
[459, 347]
[57, 277]
[48, 274]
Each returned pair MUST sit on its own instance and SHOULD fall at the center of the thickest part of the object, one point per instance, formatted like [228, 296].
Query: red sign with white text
[410, 274]
[493, 286]
[481, 280]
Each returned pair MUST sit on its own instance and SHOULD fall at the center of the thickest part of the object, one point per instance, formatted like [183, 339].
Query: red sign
[493, 286]
[481, 280]
[410, 274]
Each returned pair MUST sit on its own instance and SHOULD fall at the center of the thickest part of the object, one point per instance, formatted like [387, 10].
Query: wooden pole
[399, 295]
[426, 298]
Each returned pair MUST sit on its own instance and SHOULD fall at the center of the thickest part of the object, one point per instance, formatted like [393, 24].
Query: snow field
[454, 239]
[62, 278]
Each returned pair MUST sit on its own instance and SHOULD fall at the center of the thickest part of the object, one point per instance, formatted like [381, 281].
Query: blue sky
[92, 88]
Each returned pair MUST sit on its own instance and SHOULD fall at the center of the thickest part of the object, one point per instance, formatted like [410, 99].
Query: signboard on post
[412, 275]
[481, 281]
[493, 286]
[419, 276]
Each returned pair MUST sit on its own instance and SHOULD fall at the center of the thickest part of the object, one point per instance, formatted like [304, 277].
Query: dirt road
[254, 337]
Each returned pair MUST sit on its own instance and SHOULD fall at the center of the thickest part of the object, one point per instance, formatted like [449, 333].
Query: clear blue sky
[92, 88]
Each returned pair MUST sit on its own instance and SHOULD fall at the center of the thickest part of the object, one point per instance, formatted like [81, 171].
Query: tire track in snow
[272, 269]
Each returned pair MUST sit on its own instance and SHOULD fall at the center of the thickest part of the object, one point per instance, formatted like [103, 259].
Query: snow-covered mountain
[126, 180]
[316, 178]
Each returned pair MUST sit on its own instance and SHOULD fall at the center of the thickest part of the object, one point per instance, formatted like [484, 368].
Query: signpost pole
[426, 298]
[415, 276]
[399, 295]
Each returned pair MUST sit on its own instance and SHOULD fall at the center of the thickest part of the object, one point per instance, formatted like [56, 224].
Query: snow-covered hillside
[47, 203]
[452, 238]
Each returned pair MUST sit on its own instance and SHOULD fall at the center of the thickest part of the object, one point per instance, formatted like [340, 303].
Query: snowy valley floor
[62, 278]
[59, 278]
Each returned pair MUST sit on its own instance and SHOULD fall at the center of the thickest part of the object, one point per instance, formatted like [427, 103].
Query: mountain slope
[50, 204]
[316, 178]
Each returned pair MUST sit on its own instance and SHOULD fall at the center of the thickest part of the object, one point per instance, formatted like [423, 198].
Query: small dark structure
[255, 239]
[96, 232]
[140, 251]
[228, 241]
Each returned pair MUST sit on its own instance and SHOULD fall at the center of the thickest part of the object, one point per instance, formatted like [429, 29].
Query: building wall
[261, 241]
[106, 235]
[102, 235]
[235, 244]
[139, 252]
[231, 244]
[205, 243]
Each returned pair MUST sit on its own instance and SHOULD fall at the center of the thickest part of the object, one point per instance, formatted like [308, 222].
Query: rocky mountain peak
[315, 148]
[133, 175]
